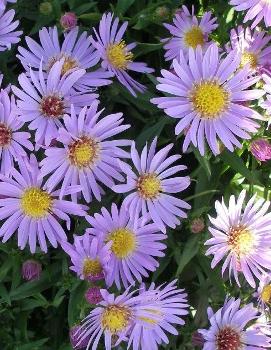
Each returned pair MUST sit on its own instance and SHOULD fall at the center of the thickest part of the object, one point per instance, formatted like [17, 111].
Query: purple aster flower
[136, 244]
[88, 157]
[31, 270]
[116, 316]
[32, 211]
[152, 184]
[207, 94]
[12, 141]
[43, 102]
[228, 329]
[76, 51]
[93, 295]
[242, 236]
[188, 32]
[117, 57]
[261, 150]
[89, 257]
[256, 10]
[263, 293]
[252, 46]
[8, 35]
[168, 305]
[266, 104]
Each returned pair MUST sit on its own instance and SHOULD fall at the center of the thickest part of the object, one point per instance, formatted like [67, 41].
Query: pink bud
[261, 150]
[197, 225]
[197, 339]
[93, 295]
[31, 270]
[68, 21]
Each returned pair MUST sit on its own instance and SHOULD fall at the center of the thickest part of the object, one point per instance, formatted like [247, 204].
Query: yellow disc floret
[83, 152]
[149, 186]
[209, 99]
[266, 294]
[115, 318]
[241, 241]
[194, 37]
[92, 267]
[123, 242]
[249, 58]
[36, 202]
[118, 56]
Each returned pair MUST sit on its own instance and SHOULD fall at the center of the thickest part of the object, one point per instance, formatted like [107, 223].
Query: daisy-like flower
[257, 10]
[151, 186]
[252, 46]
[88, 157]
[263, 293]
[207, 94]
[76, 51]
[43, 102]
[89, 256]
[267, 88]
[114, 317]
[31, 210]
[170, 307]
[12, 141]
[242, 236]
[8, 35]
[188, 32]
[136, 244]
[117, 57]
[228, 329]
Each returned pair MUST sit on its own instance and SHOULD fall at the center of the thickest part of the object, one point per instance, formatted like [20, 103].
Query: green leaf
[123, 6]
[36, 345]
[190, 250]
[76, 297]
[204, 162]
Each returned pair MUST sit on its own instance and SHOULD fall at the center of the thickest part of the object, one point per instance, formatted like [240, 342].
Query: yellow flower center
[249, 58]
[115, 318]
[209, 99]
[266, 294]
[194, 37]
[118, 55]
[83, 152]
[92, 267]
[149, 186]
[241, 241]
[69, 63]
[123, 242]
[36, 203]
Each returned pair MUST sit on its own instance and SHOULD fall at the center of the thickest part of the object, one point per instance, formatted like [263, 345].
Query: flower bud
[93, 295]
[197, 225]
[31, 270]
[261, 150]
[46, 8]
[68, 21]
[197, 339]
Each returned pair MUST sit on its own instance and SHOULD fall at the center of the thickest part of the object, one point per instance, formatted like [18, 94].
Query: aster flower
[266, 104]
[88, 158]
[117, 57]
[253, 47]
[207, 95]
[115, 317]
[12, 141]
[263, 293]
[261, 150]
[188, 32]
[32, 211]
[151, 185]
[257, 10]
[168, 306]
[136, 244]
[74, 338]
[229, 330]
[242, 236]
[43, 102]
[76, 52]
[89, 256]
[8, 35]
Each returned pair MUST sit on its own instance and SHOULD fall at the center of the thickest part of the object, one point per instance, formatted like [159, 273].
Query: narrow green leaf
[123, 6]
[190, 250]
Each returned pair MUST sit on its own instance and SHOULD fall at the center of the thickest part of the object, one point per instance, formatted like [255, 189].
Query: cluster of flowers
[82, 156]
